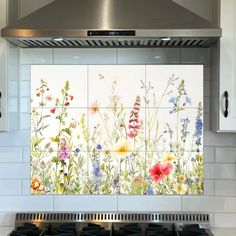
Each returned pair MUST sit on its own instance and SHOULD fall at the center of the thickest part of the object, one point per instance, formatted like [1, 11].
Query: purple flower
[96, 170]
[150, 191]
[99, 147]
[64, 153]
[77, 150]
[189, 181]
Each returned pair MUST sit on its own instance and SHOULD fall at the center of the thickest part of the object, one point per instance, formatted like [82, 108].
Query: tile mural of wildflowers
[117, 129]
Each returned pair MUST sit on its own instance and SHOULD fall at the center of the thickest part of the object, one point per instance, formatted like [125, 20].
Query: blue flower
[173, 100]
[150, 191]
[198, 127]
[188, 100]
[189, 181]
[96, 170]
[77, 150]
[99, 147]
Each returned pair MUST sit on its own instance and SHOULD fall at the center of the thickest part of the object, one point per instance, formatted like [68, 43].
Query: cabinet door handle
[226, 112]
[0, 105]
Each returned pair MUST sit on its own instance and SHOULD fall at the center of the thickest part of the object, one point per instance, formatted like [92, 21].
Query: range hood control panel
[111, 33]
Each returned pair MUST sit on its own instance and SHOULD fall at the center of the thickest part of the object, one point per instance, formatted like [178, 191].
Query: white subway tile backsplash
[10, 187]
[25, 89]
[223, 220]
[195, 55]
[25, 105]
[226, 155]
[13, 104]
[26, 154]
[10, 154]
[26, 187]
[209, 187]
[13, 88]
[25, 72]
[206, 118]
[209, 154]
[220, 171]
[206, 88]
[148, 55]
[207, 72]
[225, 187]
[219, 139]
[13, 120]
[25, 121]
[135, 203]
[14, 171]
[209, 204]
[26, 203]
[15, 139]
[84, 56]
[35, 56]
[206, 105]
[85, 203]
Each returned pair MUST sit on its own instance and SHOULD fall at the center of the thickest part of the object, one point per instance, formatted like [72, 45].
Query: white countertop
[4, 231]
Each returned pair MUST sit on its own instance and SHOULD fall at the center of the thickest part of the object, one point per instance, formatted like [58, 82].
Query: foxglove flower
[134, 121]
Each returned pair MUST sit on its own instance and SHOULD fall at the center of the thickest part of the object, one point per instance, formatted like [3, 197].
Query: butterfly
[101, 76]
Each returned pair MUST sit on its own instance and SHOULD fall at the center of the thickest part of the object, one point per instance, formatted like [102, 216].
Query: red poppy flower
[38, 94]
[52, 110]
[67, 104]
[71, 97]
[36, 185]
[159, 171]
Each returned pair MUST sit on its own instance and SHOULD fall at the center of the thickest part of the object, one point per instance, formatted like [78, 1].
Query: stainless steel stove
[111, 224]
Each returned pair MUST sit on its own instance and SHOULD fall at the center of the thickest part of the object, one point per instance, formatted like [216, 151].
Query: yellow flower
[181, 178]
[169, 158]
[122, 149]
[180, 188]
[94, 107]
[107, 152]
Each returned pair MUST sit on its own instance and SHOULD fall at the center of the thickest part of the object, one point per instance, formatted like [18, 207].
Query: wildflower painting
[117, 129]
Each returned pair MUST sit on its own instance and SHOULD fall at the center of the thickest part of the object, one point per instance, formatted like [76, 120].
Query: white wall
[219, 198]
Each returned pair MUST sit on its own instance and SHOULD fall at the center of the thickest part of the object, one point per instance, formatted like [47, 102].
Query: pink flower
[64, 151]
[53, 110]
[159, 171]
[71, 97]
[134, 122]
[49, 98]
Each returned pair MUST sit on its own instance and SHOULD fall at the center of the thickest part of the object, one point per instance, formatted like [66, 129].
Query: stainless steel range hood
[112, 23]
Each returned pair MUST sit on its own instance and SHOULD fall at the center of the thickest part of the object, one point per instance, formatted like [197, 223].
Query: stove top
[114, 229]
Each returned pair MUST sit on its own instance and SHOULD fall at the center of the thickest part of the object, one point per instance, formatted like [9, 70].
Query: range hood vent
[111, 23]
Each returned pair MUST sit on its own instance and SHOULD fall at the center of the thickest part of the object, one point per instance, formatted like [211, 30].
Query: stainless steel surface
[166, 217]
[72, 19]
[114, 42]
